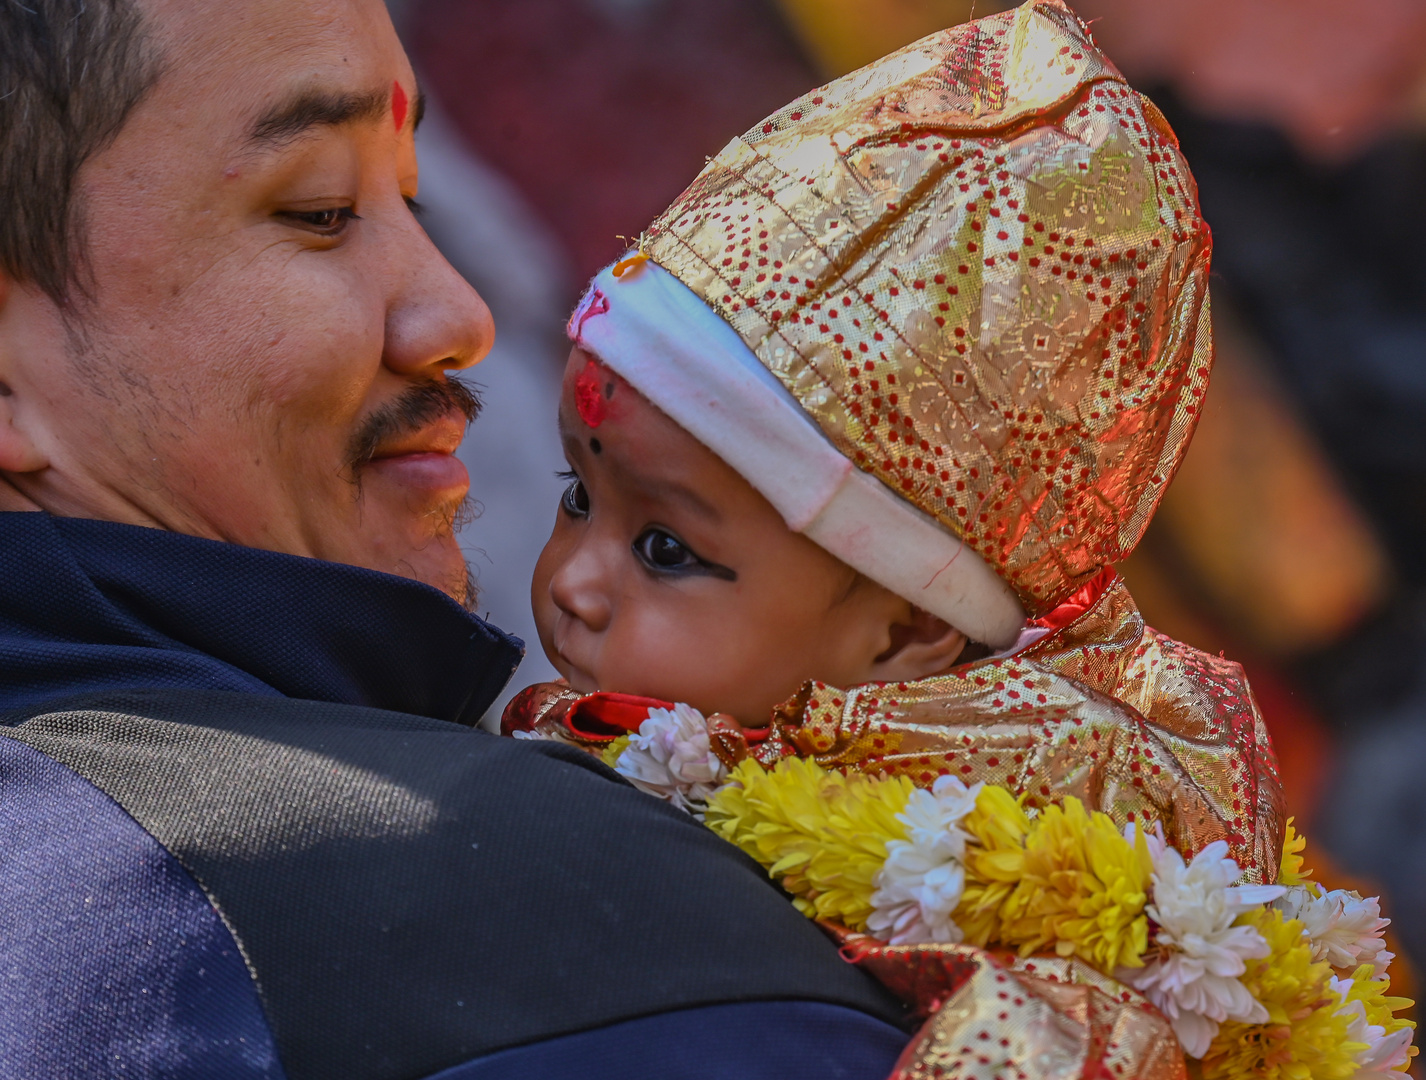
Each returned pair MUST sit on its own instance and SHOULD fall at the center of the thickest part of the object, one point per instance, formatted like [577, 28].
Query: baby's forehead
[621, 442]
[598, 403]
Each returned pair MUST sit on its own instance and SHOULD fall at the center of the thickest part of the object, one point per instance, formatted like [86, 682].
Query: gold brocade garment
[994, 1017]
[1105, 709]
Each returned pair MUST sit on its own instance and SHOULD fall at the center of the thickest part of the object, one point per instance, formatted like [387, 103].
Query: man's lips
[441, 436]
[425, 459]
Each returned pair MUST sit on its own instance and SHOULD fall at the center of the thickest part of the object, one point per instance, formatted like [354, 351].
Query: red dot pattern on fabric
[988, 289]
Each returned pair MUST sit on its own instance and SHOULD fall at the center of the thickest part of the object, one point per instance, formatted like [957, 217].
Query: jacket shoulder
[403, 889]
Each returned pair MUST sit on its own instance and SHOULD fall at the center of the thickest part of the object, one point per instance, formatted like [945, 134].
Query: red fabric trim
[595, 303]
[605, 716]
[1079, 601]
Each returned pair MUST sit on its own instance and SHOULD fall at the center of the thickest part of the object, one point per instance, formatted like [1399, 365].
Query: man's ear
[922, 646]
[18, 451]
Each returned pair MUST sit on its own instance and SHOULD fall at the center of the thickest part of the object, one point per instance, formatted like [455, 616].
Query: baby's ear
[923, 646]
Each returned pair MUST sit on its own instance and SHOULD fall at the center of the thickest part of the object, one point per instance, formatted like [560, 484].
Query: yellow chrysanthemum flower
[994, 860]
[822, 833]
[1305, 1037]
[1291, 872]
[1082, 890]
[610, 754]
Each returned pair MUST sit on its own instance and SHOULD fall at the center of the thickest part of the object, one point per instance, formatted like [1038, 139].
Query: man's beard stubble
[410, 411]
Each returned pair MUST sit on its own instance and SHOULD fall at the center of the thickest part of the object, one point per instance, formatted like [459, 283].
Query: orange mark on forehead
[593, 388]
[399, 104]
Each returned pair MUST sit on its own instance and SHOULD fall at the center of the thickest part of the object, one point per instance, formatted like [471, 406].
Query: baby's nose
[579, 589]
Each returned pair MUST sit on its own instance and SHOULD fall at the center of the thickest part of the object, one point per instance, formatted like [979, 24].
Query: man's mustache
[412, 410]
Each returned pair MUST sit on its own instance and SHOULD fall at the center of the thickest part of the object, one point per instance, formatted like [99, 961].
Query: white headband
[658, 335]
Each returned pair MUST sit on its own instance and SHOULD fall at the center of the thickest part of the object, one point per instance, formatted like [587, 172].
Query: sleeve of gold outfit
[1008, 1018]
[1104, 709]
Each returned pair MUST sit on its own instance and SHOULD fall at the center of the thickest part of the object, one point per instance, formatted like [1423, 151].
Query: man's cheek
[317, 353]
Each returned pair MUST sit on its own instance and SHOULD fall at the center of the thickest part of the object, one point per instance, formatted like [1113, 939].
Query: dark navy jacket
[246, 830]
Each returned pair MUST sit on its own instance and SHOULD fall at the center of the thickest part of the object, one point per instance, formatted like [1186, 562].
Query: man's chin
[424, 549]
[442, 565]
[413, 526]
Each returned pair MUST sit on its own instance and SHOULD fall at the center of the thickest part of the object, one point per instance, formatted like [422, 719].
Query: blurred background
[1293, 540]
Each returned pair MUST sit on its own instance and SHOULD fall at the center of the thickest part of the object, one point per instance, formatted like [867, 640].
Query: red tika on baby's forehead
[594, 390]
[399, 104]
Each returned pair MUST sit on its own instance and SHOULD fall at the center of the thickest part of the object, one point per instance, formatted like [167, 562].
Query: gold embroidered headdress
[979, 266]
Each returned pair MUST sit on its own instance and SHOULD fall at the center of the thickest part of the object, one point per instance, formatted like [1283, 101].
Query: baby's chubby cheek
[662, 652]
[546, 611]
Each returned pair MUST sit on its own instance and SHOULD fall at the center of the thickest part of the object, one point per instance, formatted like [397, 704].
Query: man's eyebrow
[319, 108]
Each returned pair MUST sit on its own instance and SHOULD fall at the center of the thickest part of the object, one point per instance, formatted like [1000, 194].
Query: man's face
[263, 359]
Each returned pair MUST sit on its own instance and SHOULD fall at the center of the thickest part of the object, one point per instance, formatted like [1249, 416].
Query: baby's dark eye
[575, 500]
[663, 551]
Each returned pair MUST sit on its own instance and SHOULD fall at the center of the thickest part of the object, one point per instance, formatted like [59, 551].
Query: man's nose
[435, 318]
[580, 587]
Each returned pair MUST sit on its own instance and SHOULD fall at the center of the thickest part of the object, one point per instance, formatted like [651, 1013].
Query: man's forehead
[278, 68]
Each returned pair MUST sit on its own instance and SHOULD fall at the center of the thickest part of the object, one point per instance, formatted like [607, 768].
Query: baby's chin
[580, 681]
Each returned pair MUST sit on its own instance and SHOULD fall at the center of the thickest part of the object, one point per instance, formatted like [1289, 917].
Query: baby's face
[667, 575]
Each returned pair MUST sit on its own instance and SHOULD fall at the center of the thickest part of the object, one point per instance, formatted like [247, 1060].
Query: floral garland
[1285, 981]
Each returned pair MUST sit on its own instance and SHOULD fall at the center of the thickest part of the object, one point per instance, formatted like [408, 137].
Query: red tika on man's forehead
[399, 105]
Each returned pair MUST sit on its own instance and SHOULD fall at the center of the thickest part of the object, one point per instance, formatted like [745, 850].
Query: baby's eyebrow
[673, 491]
[572, 443]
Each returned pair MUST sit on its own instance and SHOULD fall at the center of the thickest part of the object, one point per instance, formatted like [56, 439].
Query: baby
[858, 432]
[855, 439]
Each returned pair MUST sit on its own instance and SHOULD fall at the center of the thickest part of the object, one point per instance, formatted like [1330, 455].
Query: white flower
[1345, 929]
[1384, 1052]
[671, 757]
[1194, 978]
[919, 886]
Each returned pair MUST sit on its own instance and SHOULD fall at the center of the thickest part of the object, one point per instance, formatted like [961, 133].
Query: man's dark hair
[71, 71]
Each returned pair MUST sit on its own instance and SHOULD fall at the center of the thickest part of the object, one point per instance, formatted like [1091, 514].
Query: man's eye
[330, 222]
[663, 551]
[575, 500]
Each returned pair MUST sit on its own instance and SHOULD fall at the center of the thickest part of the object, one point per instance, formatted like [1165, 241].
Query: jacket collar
[92, 606]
